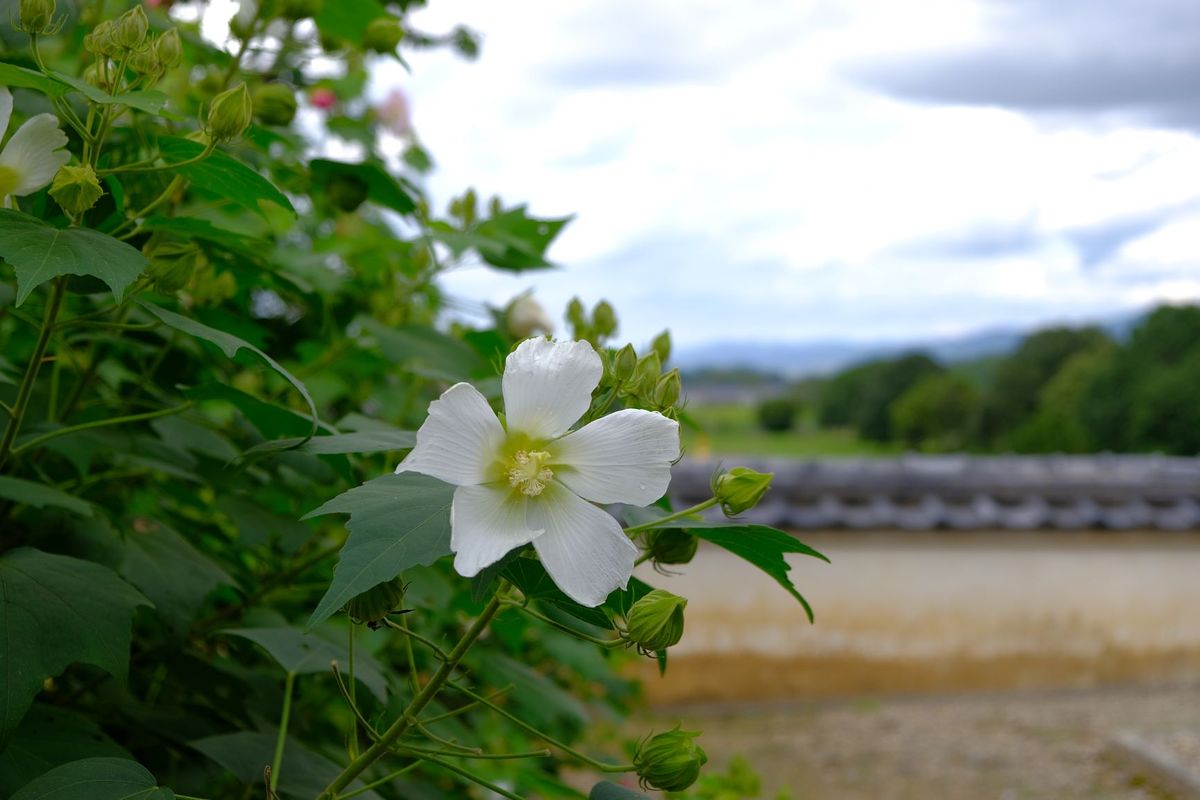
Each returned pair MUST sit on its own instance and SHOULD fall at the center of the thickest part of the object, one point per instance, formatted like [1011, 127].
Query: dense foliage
[216, 346]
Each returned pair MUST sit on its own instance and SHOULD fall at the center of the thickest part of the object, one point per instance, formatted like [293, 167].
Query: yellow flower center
[10, 179]
[528, 473]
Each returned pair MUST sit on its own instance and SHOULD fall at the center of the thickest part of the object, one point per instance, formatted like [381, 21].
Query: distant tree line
[1070, 390]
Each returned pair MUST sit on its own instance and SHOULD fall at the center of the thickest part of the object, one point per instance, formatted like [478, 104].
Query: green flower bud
[275, 104]
[373, 605]
[740, 489]
[662, 346]
[666, 392]
[168, 49]
[604, 319]
[671, 546]
[347, 192]
[655, 622]
[575, 313]
[101, 40]
[669, 761]
[383, 34]
[645, 377]
[76, 189]
[35, 16]
[129, 31]
[230, 114]
[172, 264]
[624, 363]
[145, 61]
[97, 75]
[300, 9]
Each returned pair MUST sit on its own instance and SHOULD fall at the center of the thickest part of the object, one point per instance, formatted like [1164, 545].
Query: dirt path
[1003, 746]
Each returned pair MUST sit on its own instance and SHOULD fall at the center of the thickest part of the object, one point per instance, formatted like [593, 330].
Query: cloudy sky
[831, 169]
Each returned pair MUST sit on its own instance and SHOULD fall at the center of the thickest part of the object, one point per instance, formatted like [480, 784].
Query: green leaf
[304, 654]
[230, 345]
[96, 779]
[510, 240]
[195, 228]
[46, 738]
[304, 773]
[531, 578]
[364, 442]
[382, 188]
[396, 522]
[426, 351]
[607, 790]
[149, 100]
[348, 19]
[258, 525]
[55, 611]
[39, 495]
[174, 575]
[39, 252]
[223, 175]
[20, 78]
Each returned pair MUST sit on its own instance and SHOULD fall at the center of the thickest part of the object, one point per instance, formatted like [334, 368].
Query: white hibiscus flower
[529, 480]
[32, 156]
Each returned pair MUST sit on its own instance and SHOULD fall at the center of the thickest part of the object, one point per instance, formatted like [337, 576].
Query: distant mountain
[798, 359]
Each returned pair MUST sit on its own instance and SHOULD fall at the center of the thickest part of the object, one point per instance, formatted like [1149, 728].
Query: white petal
[625, 457]
[548, 385]
[459, 442]
[584, 549]
[35, 152]
[6, 103]
[486, 522]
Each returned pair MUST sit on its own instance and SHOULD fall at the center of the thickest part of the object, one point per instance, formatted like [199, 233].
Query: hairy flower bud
[168, 49]
[172, 263]
[97, 75]
[373, 605]
[101, 40]
[667, 390]
[604, 318]
[230, 114]
[145, 61]
[383, 34]
[300, 9]
[625, 363]
[662, 346]
[671, 546]
[575, 313]
[669, 761]
[275, 104]
[655, 622]
[129, 31]
[35, 16]
[740, 489]
[645, 377]
[76, 189]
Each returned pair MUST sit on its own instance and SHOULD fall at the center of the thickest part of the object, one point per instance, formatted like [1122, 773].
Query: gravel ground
[1007, 746]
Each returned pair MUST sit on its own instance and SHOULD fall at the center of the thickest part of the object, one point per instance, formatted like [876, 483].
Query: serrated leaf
[304, 654]
[55, 611]
[230, 345]
[762, 546]
[223, 175]
[396, 522]
[304, 773]
[382, 188]
[96, 779]
[174, 575]
[607, 790]
[40, 252]
[46, 738]
[39, 495]
[531, 578]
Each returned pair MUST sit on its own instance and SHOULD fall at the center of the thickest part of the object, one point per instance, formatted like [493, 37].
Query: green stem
[31, 370]
[658, 523]
[600, 765]
[277, 761]
[472, 777]
[100, 423]
[158, 167]
[432, 645]
[464, 709]
[565, 628]
[478, 756]
[413, 680]
[174, 186]
[352, 686]
[418, 703]
[376, 784]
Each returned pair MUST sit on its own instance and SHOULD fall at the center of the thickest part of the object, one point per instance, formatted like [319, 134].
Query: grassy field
[732, 430]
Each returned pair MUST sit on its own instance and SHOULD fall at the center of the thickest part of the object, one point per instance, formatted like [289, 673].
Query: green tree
[937, 413]
[1059, 423]
[777, 414]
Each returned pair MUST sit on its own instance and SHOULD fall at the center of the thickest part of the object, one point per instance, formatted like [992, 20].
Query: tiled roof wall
[915, 492]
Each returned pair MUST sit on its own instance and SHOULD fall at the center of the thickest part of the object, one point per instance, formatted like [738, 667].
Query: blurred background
[935, 267]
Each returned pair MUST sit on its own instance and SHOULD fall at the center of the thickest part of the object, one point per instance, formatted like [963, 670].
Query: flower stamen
[528, 472]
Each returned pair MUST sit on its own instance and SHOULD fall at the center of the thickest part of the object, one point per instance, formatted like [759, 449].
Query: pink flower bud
[393, 113]
[322, 97]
